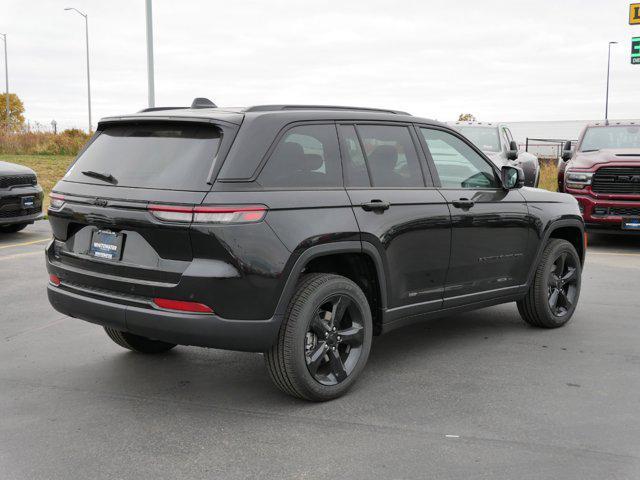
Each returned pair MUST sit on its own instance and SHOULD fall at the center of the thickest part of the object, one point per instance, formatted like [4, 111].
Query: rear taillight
[56, 201]
[209, 213]
[182, 306]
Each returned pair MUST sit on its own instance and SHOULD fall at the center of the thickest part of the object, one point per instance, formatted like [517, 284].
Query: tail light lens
[182, 306]
[56, 201]
[209, 213]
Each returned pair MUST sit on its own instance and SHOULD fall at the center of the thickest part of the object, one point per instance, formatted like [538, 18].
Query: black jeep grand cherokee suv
[300, 232]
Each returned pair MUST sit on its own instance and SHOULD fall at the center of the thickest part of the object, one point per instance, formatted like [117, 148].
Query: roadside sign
[634, 14]
[635, 50]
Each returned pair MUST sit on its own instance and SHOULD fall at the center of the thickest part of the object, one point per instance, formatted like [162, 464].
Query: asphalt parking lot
[479, 395]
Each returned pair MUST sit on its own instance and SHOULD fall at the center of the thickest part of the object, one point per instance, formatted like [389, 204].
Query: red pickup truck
[603, 173]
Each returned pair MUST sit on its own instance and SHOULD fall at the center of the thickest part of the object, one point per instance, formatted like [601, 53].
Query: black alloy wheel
[553, 295]
[562, 282]
[333, 343]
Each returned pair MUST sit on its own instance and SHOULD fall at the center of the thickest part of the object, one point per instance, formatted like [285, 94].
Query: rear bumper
[204, 330]
[11, 212]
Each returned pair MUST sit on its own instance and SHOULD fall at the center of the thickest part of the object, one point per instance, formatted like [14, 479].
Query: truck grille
[624, 211]
[617, 180]
[12, 207]
[16, 180]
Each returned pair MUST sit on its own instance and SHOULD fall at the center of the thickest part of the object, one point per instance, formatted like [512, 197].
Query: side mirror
[566, 151]
[512, 177]
[512, 153]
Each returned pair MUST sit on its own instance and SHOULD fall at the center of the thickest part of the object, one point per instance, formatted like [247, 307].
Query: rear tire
[553, 295]
[324, 340]
[16, 227]
[137, 343]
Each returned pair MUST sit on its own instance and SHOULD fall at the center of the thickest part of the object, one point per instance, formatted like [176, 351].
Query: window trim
[283, 131]
[432, 165]
[414, 140]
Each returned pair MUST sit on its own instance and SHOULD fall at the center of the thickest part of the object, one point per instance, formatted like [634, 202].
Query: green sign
[635, 50]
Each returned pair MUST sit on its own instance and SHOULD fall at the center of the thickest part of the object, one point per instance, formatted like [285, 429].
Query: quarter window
[307, 156]
[457, 164]
[391, 156]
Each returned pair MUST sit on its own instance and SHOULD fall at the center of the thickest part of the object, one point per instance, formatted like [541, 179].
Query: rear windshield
[175, 156]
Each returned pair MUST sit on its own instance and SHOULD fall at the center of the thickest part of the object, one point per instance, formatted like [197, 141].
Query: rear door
[490, 225]
[398, 212]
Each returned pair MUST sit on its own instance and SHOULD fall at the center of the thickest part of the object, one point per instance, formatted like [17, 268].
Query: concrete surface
[480, 395]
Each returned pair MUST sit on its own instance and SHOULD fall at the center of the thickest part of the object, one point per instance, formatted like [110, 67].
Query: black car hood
[7, 168]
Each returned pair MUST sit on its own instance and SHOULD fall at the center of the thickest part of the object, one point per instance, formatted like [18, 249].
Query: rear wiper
[107, 177]
[592, 150]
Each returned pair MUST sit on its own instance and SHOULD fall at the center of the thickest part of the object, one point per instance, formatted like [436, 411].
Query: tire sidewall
[543, 298]
[307, 383]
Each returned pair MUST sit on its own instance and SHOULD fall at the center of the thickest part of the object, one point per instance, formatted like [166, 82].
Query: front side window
[457, 164]
[306, 156]
[619, 136]
[391, 156]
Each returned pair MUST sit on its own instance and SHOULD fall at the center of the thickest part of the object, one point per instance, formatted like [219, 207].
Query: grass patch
[548, 176]
[49, 168]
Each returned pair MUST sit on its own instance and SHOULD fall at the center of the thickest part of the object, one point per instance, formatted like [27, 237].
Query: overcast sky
[502, 60]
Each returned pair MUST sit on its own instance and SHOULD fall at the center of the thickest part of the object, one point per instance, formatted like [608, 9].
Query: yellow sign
[634, 14]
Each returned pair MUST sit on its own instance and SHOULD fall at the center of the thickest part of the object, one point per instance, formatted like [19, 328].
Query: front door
[407, 222]
[490, 225]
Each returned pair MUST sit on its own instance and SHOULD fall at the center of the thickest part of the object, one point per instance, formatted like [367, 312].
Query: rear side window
[356, 174]
[306, 156]
[172, 156]
[391, 156]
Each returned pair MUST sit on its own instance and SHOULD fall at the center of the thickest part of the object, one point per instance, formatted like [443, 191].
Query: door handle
[375, 205]
[463, 203]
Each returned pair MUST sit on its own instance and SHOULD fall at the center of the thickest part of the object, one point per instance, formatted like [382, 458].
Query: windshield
[176, 156]
[485, 138]
[619, 136]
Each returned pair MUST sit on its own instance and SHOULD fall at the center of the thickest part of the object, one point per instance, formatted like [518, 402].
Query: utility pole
[606, 103]
[86, 28]
[150, 75]
[6, 78]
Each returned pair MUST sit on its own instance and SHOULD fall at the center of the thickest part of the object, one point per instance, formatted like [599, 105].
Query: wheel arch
[571, 230]
[359, 262]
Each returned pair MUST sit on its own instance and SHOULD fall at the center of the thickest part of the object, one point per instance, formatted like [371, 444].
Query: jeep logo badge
[100, 202]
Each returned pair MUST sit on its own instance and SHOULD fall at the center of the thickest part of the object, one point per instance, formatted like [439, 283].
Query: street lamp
[606, 105]
[6, 77]
[86, 26]
[150, 75]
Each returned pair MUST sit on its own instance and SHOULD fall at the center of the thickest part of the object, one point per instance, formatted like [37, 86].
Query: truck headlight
[578, 180]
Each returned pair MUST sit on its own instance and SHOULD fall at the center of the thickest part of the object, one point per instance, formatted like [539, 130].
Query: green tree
[466, 117]
[16, 109]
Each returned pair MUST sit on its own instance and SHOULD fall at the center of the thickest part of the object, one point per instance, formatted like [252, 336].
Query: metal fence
[546, 148]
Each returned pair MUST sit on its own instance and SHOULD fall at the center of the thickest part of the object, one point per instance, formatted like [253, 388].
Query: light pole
[606, 104]
[150, 79]
[6, 77]
[86, 27]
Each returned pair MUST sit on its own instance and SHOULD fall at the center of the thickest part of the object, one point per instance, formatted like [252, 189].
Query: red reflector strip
[230, 209]
[171, 208]
[54, 279]
[182, 306]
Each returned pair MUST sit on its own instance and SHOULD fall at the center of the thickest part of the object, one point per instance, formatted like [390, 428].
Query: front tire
[324, 340]
[136, 343]
[553, 295]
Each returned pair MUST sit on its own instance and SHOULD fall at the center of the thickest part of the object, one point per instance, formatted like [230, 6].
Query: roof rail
[157, 109]
[274, 108]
